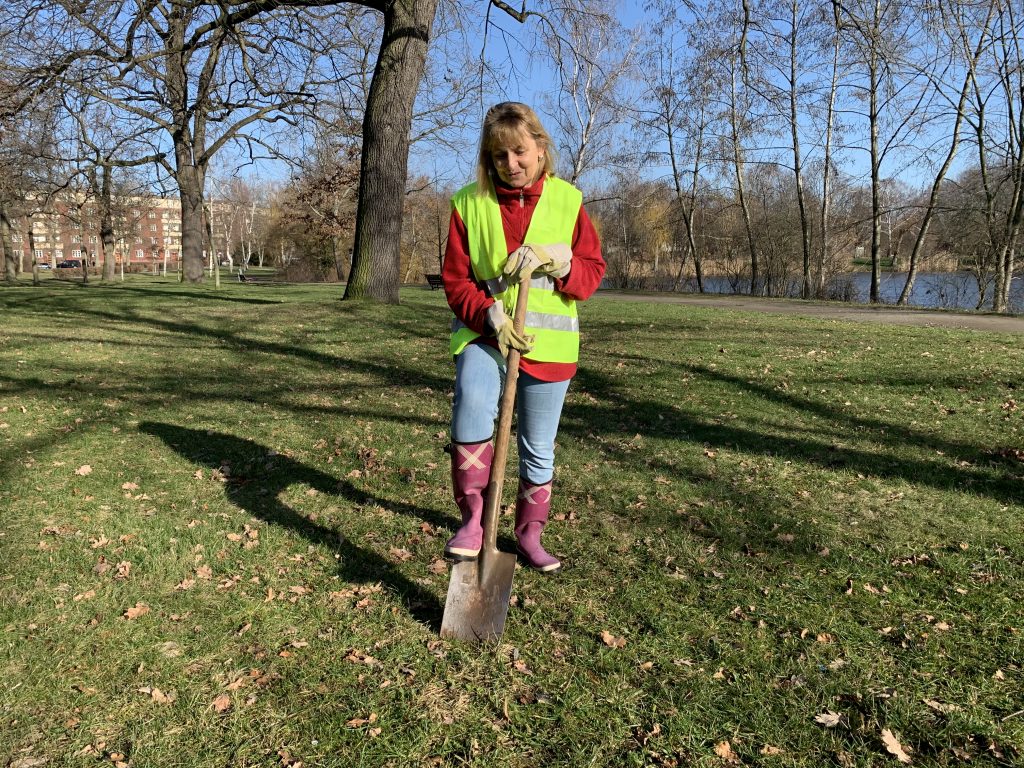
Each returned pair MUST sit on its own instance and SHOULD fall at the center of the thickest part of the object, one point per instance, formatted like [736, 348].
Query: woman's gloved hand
[555, 259]
[505, 332]
[523, 262]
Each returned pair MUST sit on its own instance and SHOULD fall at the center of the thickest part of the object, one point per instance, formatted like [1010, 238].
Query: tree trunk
[10, 264]
[376, 251]
[190, 185]
[798, 174]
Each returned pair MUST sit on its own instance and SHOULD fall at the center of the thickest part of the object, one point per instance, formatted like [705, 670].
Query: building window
[152, 214]
[92, 239]
[140, 253]
[58, 255]
[152, 227]
[15, 238]
[40, 254]
[79, 254]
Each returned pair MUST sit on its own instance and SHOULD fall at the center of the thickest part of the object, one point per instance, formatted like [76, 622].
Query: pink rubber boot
[471, 471]
[532, 507]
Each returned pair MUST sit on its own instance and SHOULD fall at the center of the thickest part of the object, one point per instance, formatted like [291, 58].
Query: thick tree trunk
[190, 186]
[10, 263]
[376, 251]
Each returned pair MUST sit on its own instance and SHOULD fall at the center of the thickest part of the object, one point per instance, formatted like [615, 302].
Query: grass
[223, 513]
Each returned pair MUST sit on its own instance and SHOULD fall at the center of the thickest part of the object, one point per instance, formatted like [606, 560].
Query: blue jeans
[479, 377]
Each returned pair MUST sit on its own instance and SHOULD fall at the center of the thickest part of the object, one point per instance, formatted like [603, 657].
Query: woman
[517, 219]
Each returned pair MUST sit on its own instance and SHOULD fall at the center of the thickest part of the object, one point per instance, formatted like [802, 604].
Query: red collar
[510, 194]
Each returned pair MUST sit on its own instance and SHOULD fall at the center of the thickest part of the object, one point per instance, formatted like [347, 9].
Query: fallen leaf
[204, 572]
[129, 487]
[124, 569]
[85, 596]
[222, 703]
[84, 470]
[893, 746]
[140, 609]
[400, 554]
[829, 719]
[28, 762]
[520, 666]
[158, 696]
[358, 722]
[438, 566]
[768, 749]
[611, 640]
[724, 750]
[184, 584]
[938, 706]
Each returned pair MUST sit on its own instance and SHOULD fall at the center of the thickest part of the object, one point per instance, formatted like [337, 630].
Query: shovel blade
[478, 595]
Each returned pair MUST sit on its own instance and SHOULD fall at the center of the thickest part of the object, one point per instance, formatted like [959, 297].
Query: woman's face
[520, 162]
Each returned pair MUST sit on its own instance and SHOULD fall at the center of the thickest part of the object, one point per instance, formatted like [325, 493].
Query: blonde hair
[503, 125]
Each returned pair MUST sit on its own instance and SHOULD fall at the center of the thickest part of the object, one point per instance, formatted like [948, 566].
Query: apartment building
[145, 230]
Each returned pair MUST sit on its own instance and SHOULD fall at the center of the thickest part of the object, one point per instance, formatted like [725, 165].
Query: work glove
[505, 332]
[556, 258]
[523, 262]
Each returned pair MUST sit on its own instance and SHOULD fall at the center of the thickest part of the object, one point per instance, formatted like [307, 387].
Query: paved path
[858, 313]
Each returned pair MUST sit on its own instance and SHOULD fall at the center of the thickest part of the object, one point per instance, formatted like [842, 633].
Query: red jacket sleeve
[587, 263]
[468, 299]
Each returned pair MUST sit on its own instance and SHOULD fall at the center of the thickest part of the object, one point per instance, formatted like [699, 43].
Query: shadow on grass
[981, 469]
[255, 488]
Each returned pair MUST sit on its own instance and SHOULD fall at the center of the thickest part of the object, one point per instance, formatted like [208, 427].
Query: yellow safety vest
[550, 316]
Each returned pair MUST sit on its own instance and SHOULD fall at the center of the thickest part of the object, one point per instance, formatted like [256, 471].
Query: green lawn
[792, 541]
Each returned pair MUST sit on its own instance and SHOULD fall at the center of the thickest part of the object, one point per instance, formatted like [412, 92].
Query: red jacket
[469, 299]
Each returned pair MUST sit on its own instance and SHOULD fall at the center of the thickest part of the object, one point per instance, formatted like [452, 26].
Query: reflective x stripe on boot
[471, 471]
[532, 507]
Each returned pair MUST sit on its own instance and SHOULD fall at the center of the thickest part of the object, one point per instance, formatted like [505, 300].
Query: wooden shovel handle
[496, 483]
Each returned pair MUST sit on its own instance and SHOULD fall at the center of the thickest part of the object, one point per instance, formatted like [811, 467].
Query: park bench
[434, 281]
[255, 279]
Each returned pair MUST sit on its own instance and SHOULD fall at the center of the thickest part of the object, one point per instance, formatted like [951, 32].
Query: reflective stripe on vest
[551, 317]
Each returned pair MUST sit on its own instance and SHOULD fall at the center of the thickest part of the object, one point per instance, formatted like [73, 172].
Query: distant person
[517, 218]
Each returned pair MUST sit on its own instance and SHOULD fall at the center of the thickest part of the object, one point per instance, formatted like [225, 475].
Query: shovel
[479, 590]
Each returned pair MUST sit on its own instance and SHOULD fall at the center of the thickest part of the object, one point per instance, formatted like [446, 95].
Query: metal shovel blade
[478, 594]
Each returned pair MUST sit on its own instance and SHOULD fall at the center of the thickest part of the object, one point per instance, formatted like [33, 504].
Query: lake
[932, 290]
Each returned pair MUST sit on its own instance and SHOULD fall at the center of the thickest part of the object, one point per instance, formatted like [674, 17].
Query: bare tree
[966, 34]
[593, 62]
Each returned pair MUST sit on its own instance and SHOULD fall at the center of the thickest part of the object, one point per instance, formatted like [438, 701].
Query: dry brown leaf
[938, 706]
[520, 666]
[184, 584]
[85, 596]
[438, 566]
[158, 696]
[204, 572]
[83, 470]
[400, 554]
[893, 746]
[139, 609]
[129, 487]
[768, 749]
[724, 750]
[124, 570]
[358, 722]
[829, 719]
[611, 640]
[222, 703]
